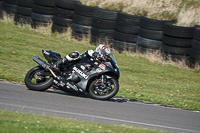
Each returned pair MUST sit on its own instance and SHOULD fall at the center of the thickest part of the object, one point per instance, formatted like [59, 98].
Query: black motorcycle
[96, 76]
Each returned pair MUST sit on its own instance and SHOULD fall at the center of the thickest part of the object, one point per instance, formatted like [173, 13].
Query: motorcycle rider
[76, 55]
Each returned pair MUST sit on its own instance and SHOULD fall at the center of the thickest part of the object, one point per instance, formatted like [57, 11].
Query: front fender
[96, 72]
[84, 84]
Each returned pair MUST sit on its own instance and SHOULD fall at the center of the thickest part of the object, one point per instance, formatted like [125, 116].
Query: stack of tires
[82, 21]
[63, 17]
[126, 32]
[195, 51]
[150, 34]
[23, 12]
[42, 13]
[1, 12]
[103, 25]
[177, 41]
[9, 7]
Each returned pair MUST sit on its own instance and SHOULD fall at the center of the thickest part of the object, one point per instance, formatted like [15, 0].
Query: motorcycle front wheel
[35, 82]
[104, 91]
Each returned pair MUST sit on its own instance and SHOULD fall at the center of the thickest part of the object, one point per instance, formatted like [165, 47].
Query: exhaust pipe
[42, 63]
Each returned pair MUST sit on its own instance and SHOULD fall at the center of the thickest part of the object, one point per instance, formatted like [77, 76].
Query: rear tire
[37, 84]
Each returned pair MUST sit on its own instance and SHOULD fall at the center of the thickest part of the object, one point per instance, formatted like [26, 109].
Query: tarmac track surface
[115, 111]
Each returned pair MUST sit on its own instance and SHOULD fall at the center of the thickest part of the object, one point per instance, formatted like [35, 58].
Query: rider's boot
[71, 57]
[58, 64]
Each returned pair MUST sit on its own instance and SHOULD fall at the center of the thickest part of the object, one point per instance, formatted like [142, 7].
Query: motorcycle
[87, 75]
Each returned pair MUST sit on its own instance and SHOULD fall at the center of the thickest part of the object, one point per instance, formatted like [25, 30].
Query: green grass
[14, 122]
[140, 78]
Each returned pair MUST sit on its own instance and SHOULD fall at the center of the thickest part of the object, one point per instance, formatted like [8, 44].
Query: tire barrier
[63, 17]
[195, 50]
[98, 40]
[103, 23]
[123, 32]
[43, 9]
[25, 3]
[124, 46]
[126, 32]
[80, 31]
[81, 28]
[45, 3]
[146, 43]
[1, 12]
[42, 13]
[101, 36]
[177, 41]
[171, 29]
[12, 2]
[150, 34]
[23, 12]
[82, 21]
[9, 7]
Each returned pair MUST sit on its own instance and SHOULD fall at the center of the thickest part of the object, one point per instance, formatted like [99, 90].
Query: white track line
[100, 117]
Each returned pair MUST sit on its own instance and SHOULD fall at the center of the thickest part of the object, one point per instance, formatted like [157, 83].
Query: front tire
[37, 83]
[110, 90]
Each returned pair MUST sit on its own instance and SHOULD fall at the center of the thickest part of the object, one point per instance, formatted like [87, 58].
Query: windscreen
[109, 57]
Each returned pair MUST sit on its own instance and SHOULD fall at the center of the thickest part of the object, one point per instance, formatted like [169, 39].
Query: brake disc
[102, 87]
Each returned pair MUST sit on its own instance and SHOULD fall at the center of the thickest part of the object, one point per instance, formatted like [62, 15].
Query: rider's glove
[95, 54]
[90, 52]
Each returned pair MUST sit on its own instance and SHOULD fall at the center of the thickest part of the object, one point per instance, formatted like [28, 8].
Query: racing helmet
[102, 51]
[101, 48]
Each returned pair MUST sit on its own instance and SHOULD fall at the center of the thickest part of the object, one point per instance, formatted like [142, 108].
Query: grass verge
[30, 123]
[185, 12]
[143, 77]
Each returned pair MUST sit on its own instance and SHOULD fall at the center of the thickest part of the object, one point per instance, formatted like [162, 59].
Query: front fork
[102, 78]
[102, 85]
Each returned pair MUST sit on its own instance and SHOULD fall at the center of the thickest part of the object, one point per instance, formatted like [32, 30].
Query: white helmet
[102, 47]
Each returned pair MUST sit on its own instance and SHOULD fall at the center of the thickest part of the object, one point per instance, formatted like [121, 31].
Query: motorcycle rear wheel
[37, 83]
[105, 95]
